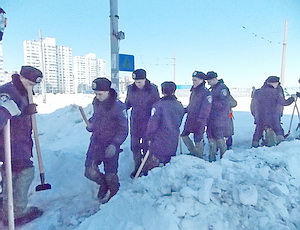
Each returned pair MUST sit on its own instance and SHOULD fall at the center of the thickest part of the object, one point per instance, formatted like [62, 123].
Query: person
[21, 141]
[230, 129]
[218, 120]
[266, 107]
[109, 127]
[198, 111]
[163, 127]
[3, 22]
[141, 95]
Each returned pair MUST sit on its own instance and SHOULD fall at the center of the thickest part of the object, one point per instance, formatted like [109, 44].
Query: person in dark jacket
[109, 127]
[197, 114]
[230, 129]
[266, 107]
[163, 127]
[218, 120]
[141, 95]
[21, 142]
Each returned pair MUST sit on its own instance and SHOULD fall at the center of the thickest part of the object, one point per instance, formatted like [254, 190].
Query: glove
[298, 94]
[11, 107]
[30, 109]
[110, 151]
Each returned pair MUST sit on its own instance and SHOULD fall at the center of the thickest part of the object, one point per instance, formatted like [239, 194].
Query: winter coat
[21, 128]
[230, 129]
[163, 127]
[198, 109]
[109, 125]
[266, 105]
[141, 102]
[219, 115]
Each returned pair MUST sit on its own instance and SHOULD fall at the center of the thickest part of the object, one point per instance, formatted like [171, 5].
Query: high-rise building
[86, 69]
[54, 61]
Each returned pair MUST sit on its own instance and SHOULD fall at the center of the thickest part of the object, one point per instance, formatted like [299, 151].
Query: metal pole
[8, 172]
[114, 44]
[282, 75]
[43, 84]
[174, 68]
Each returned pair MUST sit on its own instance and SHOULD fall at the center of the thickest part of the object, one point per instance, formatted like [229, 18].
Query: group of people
[154, 127]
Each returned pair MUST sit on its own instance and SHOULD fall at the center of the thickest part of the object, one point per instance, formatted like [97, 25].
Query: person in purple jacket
[163, 127]
[267, 107]
[109, 127]
[21, 141]
[198, 111]
[218, 120]
[141, 95]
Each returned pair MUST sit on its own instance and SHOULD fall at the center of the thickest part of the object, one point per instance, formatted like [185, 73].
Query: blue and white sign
[126, 62]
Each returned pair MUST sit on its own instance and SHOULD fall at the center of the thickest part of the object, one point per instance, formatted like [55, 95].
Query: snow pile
[254, 189]
[247, 189]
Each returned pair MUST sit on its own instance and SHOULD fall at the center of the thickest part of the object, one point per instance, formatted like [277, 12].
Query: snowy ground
[247, 189]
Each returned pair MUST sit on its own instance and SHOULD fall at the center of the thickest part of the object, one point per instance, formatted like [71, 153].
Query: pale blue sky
[205, 35]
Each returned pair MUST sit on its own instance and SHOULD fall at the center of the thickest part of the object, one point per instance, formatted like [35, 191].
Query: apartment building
[86, 69]
[54, 61]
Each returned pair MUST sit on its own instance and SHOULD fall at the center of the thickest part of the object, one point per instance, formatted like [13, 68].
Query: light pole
[282, 75]
[115, 36]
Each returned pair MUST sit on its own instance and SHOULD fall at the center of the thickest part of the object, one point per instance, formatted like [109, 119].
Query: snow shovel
[290, 126]
[43, 185]
[8, 172]
[84, 116]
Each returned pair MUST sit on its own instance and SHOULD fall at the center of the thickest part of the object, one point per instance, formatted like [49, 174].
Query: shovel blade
[42, 187]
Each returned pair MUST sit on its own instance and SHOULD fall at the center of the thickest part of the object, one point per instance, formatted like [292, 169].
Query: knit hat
[210, 75]
[31, 73]
[101, 84]
[199, 74]
[168, 87]
[139, 74]
[272, 79]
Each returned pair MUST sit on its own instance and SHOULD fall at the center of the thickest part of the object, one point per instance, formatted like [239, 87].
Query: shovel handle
[36, 135]
[8, 171]
[142, 165]
[84, 116]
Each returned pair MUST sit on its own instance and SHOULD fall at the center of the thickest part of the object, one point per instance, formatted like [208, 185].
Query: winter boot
[112, 181]
[103, 190]
[189, 144]
[199, 147]
[270, 137]
[212, 150]
[279, 139]
[31, 214]
[137, 157]
[221, 145]
[255, 144]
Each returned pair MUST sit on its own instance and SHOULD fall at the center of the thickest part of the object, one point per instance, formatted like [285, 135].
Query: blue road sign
[126, 62]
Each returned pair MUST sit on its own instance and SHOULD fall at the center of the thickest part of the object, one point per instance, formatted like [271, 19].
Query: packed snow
[247, 189]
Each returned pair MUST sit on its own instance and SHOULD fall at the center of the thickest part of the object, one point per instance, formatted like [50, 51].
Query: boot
[137, 157]
[270, 137]
[199, 147]
[255, 144]
[32, 214]
[112, 181]
[103, 190]
[212, 150]
[279, 139]
[221, 145]
[189, 143]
